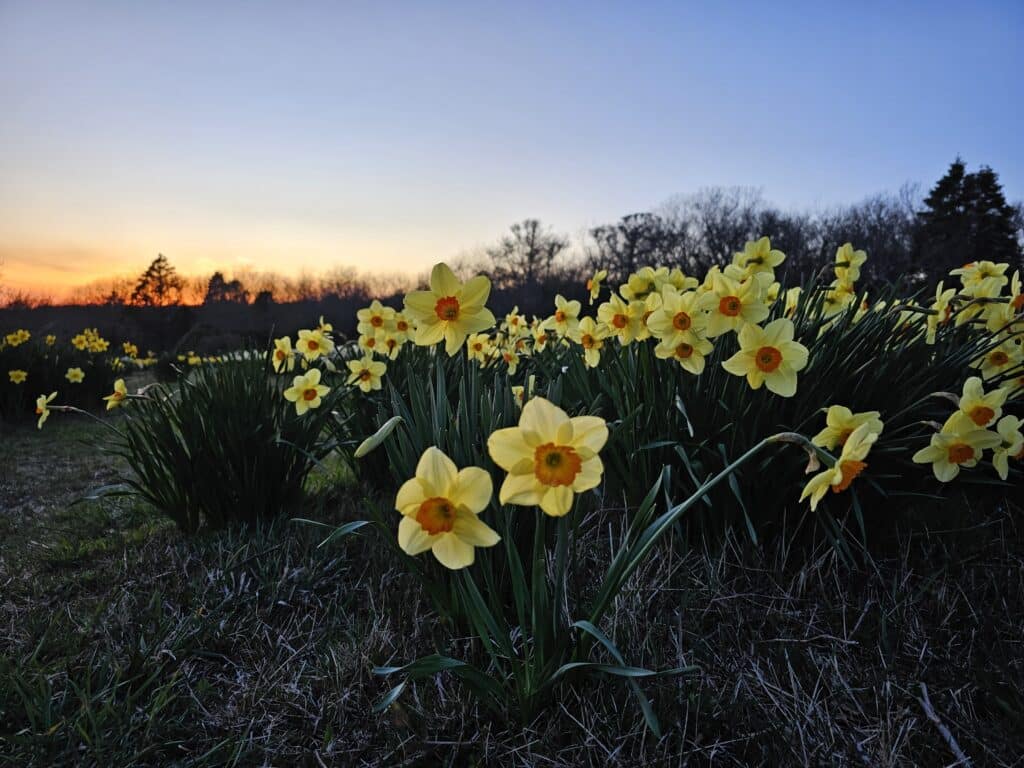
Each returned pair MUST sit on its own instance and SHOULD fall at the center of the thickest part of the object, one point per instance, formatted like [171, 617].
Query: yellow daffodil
[17, 376]
[792, 301]
[769, 356]
[450, 310]
[479, 347]
[391, 344]
[403, 326]
[981, 408]
[847, 467]
[118, 396]
[679, 313]
[982, 279]
[948, 451]
[594, 284]
[42, 408]
[566, 316]
[440, 509]
[306, 391]
[590, 336]
[758, 256]
[1011, 445]
[686, 348]
[314, 344]
[366, 373]
[130, 349]
[284, 355]
[375, 318]
[549, 457]
[841, 422]
[942, 309]
[622, 319]
[524, 393]
[643, 282]
[324, 327]
[1005, 357]
[75, 375]
[733, 304]
[50, 340]
[840, 296]
[514, 324]
[511, 359]
[848, 263]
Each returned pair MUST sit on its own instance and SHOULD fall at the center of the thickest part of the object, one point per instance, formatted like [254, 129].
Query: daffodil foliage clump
[681, 396]
[217, 448]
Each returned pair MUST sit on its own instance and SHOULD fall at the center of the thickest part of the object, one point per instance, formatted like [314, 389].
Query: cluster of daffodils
[90, 340]
[315, 347]
[975, 427]
[15, 338]
[549, 458]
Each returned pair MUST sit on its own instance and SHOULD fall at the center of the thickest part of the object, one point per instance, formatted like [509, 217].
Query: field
[737, 544]
[125, 644]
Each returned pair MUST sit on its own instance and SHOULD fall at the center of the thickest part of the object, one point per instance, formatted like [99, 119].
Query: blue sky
[389, 136]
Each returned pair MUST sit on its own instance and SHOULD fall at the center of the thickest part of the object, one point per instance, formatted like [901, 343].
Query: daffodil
[623, 319]
[686, 348]
[369, 343]
[1001, 359]
[42, 408]
[643, 282]
[942, 310]
[733, 304]
[1011, 445]
[403, 326]
[758, 256]
[391, 344]
[549, 457]
[981, 408]
[848, 263]
[590, 335]
[75, 375]
[841, 422]
[514, 324]
[566, 316]
[17, 376]
[440, 509]
[50, 340]
[313, 344]
[594, 284]
[306, 391]
[679, 313]
[847, 467]
[366, 373]
[948, 451]
[524, 393]
[792, 298]
[479, 347]
[450, 310]
[511, 360]
[375, 318]
[769, 356]
[118, 396]
[838, 297]
[284, 355]
[983, 279]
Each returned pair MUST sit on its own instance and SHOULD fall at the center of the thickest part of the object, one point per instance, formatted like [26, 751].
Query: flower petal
[557, 501]
[412, 538]
[521, 490]
[508, 448]
[543, 419]
[452, 552]
[472, 530]
[437, 472]
[473, 489]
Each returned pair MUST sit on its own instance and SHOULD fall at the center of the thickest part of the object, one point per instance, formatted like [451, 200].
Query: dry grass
[123, 644]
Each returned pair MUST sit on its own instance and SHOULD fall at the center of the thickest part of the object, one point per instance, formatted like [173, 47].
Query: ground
[124, 643]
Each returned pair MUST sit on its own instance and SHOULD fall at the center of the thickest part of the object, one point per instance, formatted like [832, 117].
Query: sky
[388, 136]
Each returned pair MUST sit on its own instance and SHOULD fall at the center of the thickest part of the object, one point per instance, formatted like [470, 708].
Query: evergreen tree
[158, 286]
[966, 218]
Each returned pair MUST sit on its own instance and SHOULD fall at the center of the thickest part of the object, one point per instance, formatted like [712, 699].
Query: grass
[122, 643]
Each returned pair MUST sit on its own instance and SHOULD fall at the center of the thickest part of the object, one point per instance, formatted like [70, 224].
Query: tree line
[909, 239]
